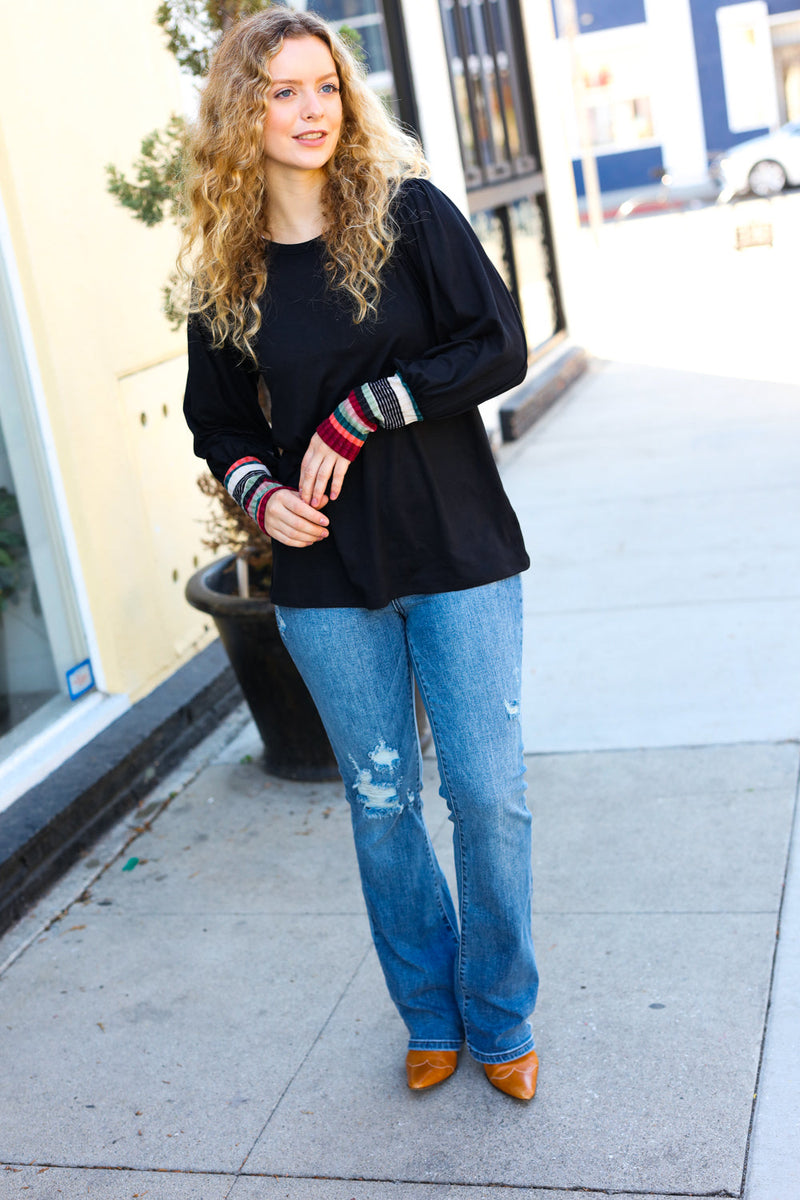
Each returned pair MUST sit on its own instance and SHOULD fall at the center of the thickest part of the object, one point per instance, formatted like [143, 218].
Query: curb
[45, 830]
[546, 383]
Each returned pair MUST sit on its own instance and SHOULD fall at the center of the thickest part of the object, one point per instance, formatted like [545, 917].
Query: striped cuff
[386, 403]
[251, 485]
[347, 428]
[389, 402]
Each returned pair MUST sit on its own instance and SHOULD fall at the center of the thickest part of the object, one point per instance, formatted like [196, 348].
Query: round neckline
[294, 247]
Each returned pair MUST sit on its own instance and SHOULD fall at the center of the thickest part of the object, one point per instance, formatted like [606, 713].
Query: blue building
[668, 83]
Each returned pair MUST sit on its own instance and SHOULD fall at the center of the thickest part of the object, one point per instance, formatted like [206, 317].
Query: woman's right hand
[290, 520]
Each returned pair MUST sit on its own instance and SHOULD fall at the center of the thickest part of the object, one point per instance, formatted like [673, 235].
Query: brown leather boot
[515, 1078]
[424, 1068]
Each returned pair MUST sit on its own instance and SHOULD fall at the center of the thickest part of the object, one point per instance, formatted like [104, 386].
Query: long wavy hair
[224, 252]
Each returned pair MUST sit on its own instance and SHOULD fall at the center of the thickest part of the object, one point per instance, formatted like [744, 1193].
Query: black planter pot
[295, 743]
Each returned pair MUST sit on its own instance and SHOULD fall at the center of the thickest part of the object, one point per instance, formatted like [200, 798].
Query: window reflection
[27, 674]
[487, 91]
[617, 68]
[491, 234]
[536, 299]
[514, 238]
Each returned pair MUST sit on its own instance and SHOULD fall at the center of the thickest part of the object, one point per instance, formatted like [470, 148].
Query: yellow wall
[80, 84]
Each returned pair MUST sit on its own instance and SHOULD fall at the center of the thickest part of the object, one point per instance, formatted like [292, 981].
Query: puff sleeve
[230, 431]
[478, 343]
[478, 349]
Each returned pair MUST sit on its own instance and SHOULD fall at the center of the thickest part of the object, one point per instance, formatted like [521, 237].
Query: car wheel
[767, 178]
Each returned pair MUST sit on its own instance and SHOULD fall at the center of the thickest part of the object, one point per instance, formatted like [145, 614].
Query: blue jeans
[471, 977]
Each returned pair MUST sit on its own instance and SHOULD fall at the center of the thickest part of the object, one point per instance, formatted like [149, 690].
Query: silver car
[761, 165]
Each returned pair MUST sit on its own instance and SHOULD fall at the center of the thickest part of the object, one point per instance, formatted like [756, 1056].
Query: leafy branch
[156, 191]
[192, 27]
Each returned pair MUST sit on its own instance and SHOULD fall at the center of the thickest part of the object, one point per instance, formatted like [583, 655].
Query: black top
[422, 508]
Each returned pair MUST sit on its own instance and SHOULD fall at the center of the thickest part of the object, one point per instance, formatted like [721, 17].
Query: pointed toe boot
[424, 1068]
[516, 1078]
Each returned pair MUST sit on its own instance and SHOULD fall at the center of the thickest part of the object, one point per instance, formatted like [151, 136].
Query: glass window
[786, 50]
[748, 67]
[490, 230]
[497, 133]
[28, 677]
[515, 239]
[617, 67]
[491, 112]
[534, 271]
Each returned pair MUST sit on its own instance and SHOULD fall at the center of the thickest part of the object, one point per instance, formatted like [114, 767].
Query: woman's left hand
[319, 466]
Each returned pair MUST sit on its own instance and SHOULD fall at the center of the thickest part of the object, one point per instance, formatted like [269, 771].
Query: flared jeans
[454, 976]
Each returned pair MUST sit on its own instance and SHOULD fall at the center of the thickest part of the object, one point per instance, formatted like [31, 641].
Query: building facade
[94, 454]
[669, 83]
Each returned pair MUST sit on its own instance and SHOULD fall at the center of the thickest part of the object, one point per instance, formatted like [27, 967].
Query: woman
[325, 262]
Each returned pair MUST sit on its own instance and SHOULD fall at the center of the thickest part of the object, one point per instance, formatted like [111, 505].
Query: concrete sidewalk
[206, 1018]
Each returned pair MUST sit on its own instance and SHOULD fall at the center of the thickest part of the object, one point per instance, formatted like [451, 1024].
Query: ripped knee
[376, 789]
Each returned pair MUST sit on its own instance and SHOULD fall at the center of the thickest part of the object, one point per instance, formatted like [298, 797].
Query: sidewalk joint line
[720, 602]
[554, 1189]
[226, 914]
[306, 1056]
[698, 746]
[655, 912]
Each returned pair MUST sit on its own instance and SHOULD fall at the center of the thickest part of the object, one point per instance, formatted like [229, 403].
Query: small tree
[193, 28]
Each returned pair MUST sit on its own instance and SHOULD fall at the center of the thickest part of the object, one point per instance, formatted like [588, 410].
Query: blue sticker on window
[80, 679]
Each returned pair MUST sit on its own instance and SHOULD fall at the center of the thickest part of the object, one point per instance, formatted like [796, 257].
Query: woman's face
[304, 113]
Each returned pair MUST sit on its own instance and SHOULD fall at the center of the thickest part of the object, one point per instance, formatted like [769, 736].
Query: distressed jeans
[453, 977]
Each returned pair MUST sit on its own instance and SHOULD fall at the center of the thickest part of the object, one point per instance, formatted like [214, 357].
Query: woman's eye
[329, 88]
[282, 94]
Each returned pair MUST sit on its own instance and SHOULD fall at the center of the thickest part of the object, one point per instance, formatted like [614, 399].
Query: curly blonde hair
[227, 200]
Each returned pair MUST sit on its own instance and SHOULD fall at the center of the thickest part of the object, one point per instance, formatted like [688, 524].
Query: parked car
[761, 165]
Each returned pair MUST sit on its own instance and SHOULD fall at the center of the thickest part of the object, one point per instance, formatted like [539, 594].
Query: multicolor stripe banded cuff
[251, 485]
[347, 428]
[389, 402]
[386, 403]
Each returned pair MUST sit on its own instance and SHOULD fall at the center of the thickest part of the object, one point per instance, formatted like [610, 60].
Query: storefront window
[27, 673]
[496, 125]
[44, 657]
[534, 268]
[515, 239]
[489, 227]
[487, 82]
